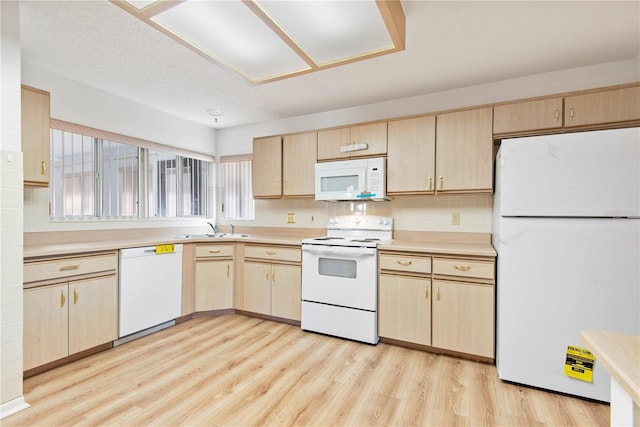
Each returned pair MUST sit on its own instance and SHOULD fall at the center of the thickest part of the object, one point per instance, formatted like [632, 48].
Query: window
[238, 197]
[93, 176]
[119, 173]
[72, 175]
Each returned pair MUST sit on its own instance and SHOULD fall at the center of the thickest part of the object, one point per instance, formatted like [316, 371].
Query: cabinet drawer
[273, 253]
[214, 251]
[463, 268]
[410, 264]
[67, 267]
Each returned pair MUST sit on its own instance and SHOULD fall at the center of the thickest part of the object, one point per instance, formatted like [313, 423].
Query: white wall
[75, 102]
[78, 103]
[423, 213]
[11, 224]
[238, 140]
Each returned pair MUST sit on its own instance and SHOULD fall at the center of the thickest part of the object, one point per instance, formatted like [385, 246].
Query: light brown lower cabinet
[214, 277]
[462, 317]
[70, 305]
[404, 308]
[272, 289]
[273, 281]
[64, 319]
[442, 302]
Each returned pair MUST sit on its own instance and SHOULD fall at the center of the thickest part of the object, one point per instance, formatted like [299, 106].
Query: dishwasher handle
[146, 251]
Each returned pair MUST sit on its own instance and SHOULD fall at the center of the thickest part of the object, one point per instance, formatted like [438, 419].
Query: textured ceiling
[449, 44]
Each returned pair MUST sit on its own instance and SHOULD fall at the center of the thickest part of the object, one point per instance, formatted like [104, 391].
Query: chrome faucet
[233, 227]
[213, 227]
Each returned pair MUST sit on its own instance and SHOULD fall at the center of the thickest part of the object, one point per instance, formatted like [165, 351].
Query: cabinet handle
[75, 296]
[404, 263]
[271, 252]
[267, 275]
[438, 293]
[462, 267]
[441, 182]
[273, 276]
[426, 291]
[227, 271]
[430, 183]
[557, 115]
[571, 112]
[214, 251]
[62, 299]
[43, 167]
[70, 267]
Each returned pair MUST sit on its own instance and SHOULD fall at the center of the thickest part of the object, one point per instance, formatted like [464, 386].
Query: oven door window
[332, 267]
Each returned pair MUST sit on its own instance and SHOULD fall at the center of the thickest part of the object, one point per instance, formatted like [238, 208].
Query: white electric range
[340, 277]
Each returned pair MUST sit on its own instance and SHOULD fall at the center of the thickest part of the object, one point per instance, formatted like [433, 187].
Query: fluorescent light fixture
[265, 40]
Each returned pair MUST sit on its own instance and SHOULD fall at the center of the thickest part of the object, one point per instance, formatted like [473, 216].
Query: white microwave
[358, 179]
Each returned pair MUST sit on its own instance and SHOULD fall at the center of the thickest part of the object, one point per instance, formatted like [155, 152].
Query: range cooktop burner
[367, 231]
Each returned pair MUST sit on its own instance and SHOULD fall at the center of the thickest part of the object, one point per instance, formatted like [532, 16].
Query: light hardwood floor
[237, 370]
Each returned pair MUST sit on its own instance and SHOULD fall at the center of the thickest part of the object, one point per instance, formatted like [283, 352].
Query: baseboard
[13, 406]
[144, 332]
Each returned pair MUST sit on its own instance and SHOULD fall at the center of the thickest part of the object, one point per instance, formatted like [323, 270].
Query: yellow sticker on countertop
[165, 249]
[579, 363]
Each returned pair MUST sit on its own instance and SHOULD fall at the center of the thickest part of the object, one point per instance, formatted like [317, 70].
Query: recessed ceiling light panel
[229, 32]
[265, 40]
[331, 31]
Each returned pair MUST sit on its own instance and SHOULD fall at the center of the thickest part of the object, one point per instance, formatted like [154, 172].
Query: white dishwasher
[150, 287]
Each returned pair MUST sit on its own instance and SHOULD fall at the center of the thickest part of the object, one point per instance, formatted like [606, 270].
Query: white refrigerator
[567, 233]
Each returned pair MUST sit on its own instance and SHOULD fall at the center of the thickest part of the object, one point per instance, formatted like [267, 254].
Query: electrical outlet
[455, 218]
[291, 218]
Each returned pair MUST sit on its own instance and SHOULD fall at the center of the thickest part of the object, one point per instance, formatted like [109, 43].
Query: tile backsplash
[419, 213]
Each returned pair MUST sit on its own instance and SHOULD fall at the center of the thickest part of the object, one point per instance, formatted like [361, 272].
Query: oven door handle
[339, 250]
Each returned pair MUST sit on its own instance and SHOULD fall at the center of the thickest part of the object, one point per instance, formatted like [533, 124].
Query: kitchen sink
[210, 236]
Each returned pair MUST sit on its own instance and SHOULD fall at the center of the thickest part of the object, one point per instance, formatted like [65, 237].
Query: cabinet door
[330, 141]
[374, 135]
[464, 151]
[404, 308]
[35, 130]
[93, 312]
[257, 287]
[286, 288]
[298, 162]
[46, 325]
[266, 167]
[463, 316]
[214, 285]
[528, 116]
[618, 105]
[411, 156]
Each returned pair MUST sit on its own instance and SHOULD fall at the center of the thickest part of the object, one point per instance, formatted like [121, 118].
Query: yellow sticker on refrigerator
[579, 363]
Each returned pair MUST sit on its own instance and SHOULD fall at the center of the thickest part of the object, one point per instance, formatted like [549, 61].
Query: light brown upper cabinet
[611, 106]
[35, 114]
[464, 151]
[528, 116]
[342, 143]
[411, 156]
[587, 110]
[298, 164]
[266, 167]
